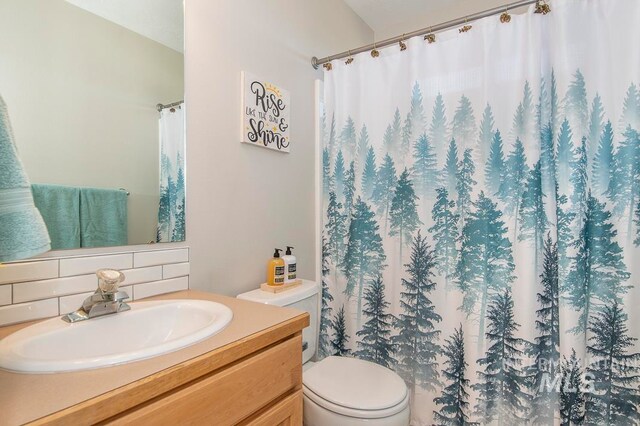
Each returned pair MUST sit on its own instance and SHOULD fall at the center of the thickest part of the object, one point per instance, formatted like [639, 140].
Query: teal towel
[103, 217]
[23, 233]
[60, 209]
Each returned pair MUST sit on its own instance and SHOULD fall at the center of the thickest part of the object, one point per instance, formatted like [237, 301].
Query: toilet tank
[303, 297]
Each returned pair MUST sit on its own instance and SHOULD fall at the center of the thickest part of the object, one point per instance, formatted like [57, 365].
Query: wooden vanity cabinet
[256, 380]
[287, 412]
[262, 389]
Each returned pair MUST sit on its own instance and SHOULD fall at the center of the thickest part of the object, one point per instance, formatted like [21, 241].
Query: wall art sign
[266, 111]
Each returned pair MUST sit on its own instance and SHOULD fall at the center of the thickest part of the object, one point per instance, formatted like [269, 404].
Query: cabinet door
[229, 395]
[287, 412]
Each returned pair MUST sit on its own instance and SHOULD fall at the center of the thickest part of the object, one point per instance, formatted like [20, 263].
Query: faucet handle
[109, 280]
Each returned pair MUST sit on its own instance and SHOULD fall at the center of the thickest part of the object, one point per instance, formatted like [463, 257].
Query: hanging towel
[103, 217]
[60, 209]
[23, 233]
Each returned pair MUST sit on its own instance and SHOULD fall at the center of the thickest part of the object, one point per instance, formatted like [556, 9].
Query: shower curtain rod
[315, 62]
[160, 107]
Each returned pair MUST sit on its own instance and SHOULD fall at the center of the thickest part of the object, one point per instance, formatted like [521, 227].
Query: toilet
[340, 391]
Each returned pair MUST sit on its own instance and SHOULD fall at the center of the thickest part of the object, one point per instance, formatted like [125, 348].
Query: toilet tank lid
[284, 298]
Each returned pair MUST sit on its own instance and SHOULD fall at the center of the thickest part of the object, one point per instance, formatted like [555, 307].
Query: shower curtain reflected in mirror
[171, 210]
[482, 217]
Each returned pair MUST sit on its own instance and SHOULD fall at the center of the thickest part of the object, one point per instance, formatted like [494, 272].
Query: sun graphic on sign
[271, 88]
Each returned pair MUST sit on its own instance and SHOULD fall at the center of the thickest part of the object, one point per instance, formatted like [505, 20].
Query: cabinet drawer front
[287, 412]
[229, 395]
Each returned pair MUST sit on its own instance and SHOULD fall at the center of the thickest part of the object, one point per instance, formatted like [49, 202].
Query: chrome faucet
[106, 300]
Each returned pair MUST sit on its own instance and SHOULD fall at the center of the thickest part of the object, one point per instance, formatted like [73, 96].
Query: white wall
[244, 200]
[448, 11]
[81, 93]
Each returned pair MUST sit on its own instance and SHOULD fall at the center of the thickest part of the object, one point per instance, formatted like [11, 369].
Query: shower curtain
[482, 217]
[171, 209]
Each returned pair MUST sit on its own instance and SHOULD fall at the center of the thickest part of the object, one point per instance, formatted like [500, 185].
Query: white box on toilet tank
[303, 297]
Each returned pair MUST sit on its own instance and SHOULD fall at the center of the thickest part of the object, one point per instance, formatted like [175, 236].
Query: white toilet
[340, 391]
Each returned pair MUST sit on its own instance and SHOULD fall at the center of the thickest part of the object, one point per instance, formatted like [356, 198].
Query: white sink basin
[147, 330]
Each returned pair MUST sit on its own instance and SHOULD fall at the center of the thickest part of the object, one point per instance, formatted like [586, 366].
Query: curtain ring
[374, 52]
[430, 37]
[466, 26]
[542, 7]
[349, 59]
[505, 17]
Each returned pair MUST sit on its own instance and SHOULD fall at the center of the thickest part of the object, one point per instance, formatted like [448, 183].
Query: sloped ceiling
[159, 20]
[388, 18]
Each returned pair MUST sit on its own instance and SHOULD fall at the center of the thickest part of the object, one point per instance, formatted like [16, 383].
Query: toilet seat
[355, 388]
[352, 412]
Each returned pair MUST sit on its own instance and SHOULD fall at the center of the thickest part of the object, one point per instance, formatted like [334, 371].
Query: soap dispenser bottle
[290, 266]
[275, 269]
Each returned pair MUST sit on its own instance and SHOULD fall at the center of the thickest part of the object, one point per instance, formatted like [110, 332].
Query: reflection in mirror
[94, 89]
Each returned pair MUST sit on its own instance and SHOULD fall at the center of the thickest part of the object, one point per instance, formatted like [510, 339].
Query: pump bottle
[275, 269]
[290, 266]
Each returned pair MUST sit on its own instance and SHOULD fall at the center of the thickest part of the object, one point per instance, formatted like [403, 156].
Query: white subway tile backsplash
[5, 295]
[35, 290]
[90, 264]
[160, 287]
[28, 271]
[28, 311]
[142, 275]
[175, 270]
[129, 290]
[150, 258]
[45, 288]
[73, 302]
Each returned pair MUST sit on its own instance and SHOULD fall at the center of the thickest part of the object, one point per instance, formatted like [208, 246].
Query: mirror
[95, 95]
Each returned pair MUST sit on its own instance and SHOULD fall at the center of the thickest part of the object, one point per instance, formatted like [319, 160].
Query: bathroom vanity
[250, 373]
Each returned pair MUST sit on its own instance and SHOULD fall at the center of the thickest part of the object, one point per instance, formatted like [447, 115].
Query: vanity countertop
[29, 397]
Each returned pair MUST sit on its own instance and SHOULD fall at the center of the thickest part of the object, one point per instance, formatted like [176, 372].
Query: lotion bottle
[290, 266]
[275, 269]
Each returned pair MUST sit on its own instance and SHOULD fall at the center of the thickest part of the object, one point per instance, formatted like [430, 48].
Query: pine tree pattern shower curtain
[482, 217]
[171, 207]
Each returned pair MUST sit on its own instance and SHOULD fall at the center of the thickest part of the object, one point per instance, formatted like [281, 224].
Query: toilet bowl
[350, 391]
[340, 391]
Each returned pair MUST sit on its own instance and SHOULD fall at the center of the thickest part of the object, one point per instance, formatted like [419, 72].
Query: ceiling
[379, 14]
[159, 20]
[388, 18]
